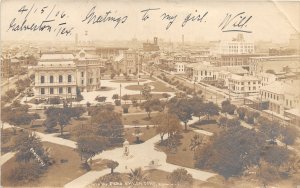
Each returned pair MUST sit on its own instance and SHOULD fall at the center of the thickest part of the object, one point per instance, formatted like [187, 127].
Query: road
[6, 85]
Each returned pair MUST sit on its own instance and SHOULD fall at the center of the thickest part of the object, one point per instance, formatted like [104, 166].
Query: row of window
[60, 79]
[242, 83]
[243, 88]
[60, 90]
[270, 95]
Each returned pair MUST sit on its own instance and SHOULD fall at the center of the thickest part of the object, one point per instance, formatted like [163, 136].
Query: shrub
[118, 102]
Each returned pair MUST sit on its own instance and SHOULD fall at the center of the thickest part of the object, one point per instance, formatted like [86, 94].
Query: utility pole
[121, 93]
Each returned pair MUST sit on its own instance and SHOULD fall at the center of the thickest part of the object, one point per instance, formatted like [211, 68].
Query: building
[236, 46]
[267, 78]
[55, 76]
[180, 68]
[148, 47]
[126, 62]
[282, 96]
[204, 72]
[88, 69]
[245, 85]
[275, 63]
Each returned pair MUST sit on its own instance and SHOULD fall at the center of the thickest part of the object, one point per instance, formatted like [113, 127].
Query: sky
[270, 20]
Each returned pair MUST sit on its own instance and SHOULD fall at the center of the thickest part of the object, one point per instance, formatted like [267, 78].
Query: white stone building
[281, 96]
[55, 76]
[244, 84]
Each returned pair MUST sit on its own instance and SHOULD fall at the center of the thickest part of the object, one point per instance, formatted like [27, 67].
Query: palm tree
[137, 175]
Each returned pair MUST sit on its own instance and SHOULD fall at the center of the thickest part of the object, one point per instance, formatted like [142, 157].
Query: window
[69, 90]
[248, 83]
[97, 80]
[69, 78]
[277, 98]
[42, 79]
[249, 88]
[254, 82]
[51, 79]
[60, 79]
[254, 88]
[60, 90]
[51, 90]
[91, 80]
[82, 82]
[82, 74]
[242, 88]
[42, 91]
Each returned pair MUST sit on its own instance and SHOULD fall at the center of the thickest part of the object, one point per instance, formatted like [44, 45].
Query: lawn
[140, 97]
[161, 87]
[183, 156]
[147, 133]
[57, 175]
[212, 127]
[136, 119]
[7, 140]
[158, 87]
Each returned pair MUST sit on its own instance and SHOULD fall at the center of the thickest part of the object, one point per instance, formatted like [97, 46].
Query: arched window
[51, 79]
[69, 78]
[42, 79]
[60, 78]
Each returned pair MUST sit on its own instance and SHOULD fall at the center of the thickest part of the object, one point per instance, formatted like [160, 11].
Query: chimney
[155, 40]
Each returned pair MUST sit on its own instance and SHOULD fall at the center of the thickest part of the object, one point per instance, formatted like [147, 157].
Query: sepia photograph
[150, 94]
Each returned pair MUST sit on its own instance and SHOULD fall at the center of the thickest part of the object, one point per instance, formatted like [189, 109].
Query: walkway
[4, 158]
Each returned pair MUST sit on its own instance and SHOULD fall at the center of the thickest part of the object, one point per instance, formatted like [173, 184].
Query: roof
[243, 78]
[280, 87]
[56, 56]
[294, 111]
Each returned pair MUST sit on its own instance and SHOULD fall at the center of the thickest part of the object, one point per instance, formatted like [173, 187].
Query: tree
[223, 121]
[112, 75]
[62, 116]
[267, 173]
[54, 100]
[166, 96]
[196, 141]
[180, 176]
[100, 98]
[89, 146]
[231, 152]
[211, 109]
[289, 135]
[125, 98]
[232, 123]
[137, 176]
[271, 129]
[152, 105]
[241, 112]
[276, 155]
[146, 92]
[125, 108]
[198, 106]
[112, 165]
[109, 125]
[134, 102]
[251, 116]
[182, 108]
[167, 124]
[115, 97]
[27, 144]
[227, 107]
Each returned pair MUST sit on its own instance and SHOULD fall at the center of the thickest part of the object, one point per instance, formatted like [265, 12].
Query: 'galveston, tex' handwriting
[52, 20]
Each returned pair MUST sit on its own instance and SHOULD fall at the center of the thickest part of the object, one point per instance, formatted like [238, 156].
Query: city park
[153, 131]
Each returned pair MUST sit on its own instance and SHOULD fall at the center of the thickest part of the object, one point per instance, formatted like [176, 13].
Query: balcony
[55, 83]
